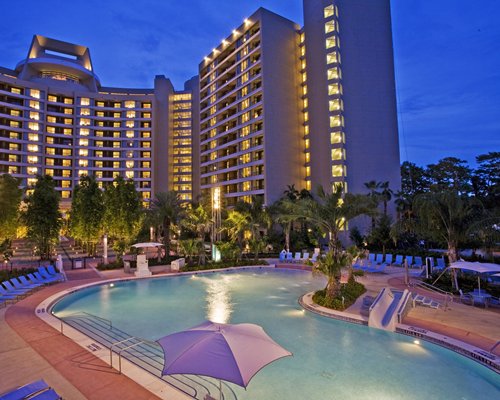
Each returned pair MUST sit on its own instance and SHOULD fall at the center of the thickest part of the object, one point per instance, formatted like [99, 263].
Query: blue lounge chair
[21, 286]
[26, 282]
[409, 260]
[297, 257]
[418, 262]
[379, 259]
[376, 269]
[46, 395]
[282, 256]
[43, 271]
[52, 271]
[388, 259]
[371, 257]
[289, 257]
[12, 290]
[440, 263]
[44, 279]
[399, 261]
[25, 391]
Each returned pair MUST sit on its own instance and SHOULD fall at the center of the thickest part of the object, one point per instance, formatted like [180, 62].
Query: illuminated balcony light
[246, 21]
[235, 32]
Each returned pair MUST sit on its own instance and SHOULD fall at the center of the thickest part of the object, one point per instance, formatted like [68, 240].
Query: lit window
[130, 104]
[332, 57]
[49, 172]
[83, 163]
[33, 137]
[130, 134]
[328, 11]
[66, 152]
[33, 148]
[31, 181]
[15, 90]
[83, 172]
[130, 114]
[52, 98]
[330, 42]
[338, 154]
[338, 171]
[129, 174]
[84, 142]
[83, 152]
[33, 126]
[84, 101]
[35, 93]
[65, 194]
[35, 104]
[334, 105]
[32, 170]
[330, 26]
[68, 100]
[84, 111]
[335, 121]
[333, 73]
[337, 137]
[84, 132]
[34, 115]
[68, 111]
[333, 89]
[49, 161]
[128, 124]
[84, 121]
[66, 163]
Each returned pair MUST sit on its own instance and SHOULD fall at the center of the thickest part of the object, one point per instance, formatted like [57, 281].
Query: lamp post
[105, 249]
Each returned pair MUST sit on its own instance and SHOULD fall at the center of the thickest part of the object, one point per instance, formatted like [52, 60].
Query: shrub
[349, 291]
[223, 264]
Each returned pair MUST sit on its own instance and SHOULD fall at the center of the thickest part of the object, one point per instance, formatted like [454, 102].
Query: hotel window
[34, 115]
[337, 137]
[335, 121]
[148, 105]
[65, 194]
[148, 115]
[48, 161]
[100, 104]
[51, 119]
[333, 89]
[99, 143]
[84, 132]
[129, 174]
[51, 129]
[116, 154]
[68, 100]
[146, 135]
[83, 152]
[332, 57]
[306, 129]
[306, 102]
[35, 93]
[31, 181]
[84, 111]
[84, 101]
[116, 134]
[117, 105]
[65, 184]
[14, 135]
[145, 154]
[333, 73]
[129, 124]
[331, 42]
[50, 150]
[118, 115]
[147, 164]
[15, 113]
[308, 157]
[98, 164]
[68, 111]
[146, 144]
[129, 134]
[129, 104]
[245, 117]
[49, 172]
[34, 104]
[98, 174]
[306, 116]
[83, 163]
[330, 26]
[66, 163]
[32, 148]
[52, 98]
[304, 90]
[15, 90]
[32, 170]
[68, 121]
[49, 140]
[338, 171]
[83, 172]
[33, 137]
[334, 105]
[99, 113]
[130, 114]
[116, 164]
[33, 159]
[67, 131]
[66, 152]
[66, 173]
[338, 154]
[329, 11]
[129, 164]
[83, 142]
[14, 124]
[244, 78]
[84, 122]
[33, 126]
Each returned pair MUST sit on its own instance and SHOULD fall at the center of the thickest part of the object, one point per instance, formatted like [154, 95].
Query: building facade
[274, 104]
[57, 119]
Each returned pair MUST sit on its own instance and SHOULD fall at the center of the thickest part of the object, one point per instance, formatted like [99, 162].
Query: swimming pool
[332, 359]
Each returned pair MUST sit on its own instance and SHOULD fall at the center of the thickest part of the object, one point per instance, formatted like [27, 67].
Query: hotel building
[274, 104]
[57, 119]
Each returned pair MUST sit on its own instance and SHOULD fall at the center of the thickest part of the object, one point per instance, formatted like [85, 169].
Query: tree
[283, 213]
[331, 266]
[414, 179]
[330, 212]
[198, 221]
[10, 199]
[191, 248]
[450, 173]
[448, 217]
[372, 186]
[166, 210]
[87, 212]
[385, 194]
[123, 215]
[381, 235]
[42, 216]
[486, 179]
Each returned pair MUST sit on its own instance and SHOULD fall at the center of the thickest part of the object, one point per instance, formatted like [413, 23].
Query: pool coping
[142, 377]
[474, 353]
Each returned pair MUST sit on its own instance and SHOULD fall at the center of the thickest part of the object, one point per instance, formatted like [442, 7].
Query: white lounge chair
[305, 257]
[297, 257]
[289, 257]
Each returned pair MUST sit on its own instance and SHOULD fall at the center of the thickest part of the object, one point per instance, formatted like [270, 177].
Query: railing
[404, 306]
[494, 347]
[144, 354]
[447, 296]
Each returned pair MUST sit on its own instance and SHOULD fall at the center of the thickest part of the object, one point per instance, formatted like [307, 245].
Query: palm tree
[372, 186]
[448, 217]
[165, 210]
[385, 194]
[330, 212]
[283, 212]
[198, 220]
[291, 192]
[331, 266]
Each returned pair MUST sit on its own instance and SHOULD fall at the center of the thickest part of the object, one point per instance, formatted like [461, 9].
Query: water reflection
[219, 303]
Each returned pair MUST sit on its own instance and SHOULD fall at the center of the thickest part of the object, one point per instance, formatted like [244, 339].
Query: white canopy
[476, 266]
[149, 244]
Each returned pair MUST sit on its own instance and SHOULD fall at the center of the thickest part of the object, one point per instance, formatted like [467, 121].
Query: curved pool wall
[331, 358]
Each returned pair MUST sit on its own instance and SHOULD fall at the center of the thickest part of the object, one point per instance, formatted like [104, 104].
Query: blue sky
[446, 54]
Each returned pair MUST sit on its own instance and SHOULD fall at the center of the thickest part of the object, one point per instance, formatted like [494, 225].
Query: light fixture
[416, 341]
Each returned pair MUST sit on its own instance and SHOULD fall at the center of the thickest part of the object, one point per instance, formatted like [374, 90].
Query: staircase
[144, 354]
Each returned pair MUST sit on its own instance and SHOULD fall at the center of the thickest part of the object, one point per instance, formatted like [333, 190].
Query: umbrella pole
[220, 389]
[479, 283]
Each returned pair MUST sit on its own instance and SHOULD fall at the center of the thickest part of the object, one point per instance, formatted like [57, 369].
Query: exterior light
[235, 32]
[416, 341]
[246, 21]
[216, 198]
[224, 42]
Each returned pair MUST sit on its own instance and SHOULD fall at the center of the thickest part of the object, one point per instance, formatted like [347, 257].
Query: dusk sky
[446, 52]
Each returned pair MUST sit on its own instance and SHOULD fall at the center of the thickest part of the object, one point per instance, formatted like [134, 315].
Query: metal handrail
[120, 354]
[448, 296]
[115, 344]
[494, 346]
[93, 316]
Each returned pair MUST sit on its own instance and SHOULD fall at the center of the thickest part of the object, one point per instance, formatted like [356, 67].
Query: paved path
[31, 349]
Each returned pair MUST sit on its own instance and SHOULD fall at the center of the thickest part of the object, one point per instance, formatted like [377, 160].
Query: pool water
[331, 359]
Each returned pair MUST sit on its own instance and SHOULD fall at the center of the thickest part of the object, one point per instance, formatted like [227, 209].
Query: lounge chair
[12, 290]
[388, 259]
[5, 298]
[379, 259]
[440, 263]
[50, 394]
[26, 282]
[43, 271]
[21, 286]
[466, 298]
[289, 257]
[315, 256]
[376, 269]
[52, 271]
[418, 262]
[282, 256]
[43, 279]
[399, 261]
[26, 391]
[409, 261]
[371, 257]
[305, 257]
[297, 257]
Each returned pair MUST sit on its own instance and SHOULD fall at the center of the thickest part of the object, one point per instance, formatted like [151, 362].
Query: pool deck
[30, 349]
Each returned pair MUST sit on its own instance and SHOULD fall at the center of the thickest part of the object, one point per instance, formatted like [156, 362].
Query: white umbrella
[146, 245]
[480, 268]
